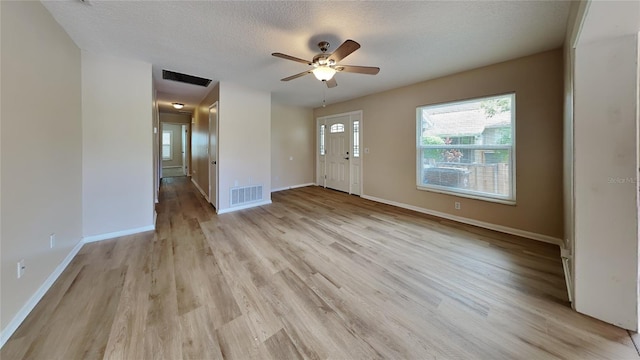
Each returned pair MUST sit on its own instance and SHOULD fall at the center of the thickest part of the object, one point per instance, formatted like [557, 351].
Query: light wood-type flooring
[172, 172]
[316, 275]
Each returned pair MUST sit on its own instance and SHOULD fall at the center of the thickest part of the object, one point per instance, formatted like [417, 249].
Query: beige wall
[176, 153]
[175, 118]
[292, 136]
[606, 112]
[41, 147]
[244, 140]
[200, 138]
[389, 131]
[117, 151]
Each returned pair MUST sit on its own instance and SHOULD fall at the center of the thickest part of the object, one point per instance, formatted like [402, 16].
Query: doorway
[339, 161]
[173, 149]
[212, 149]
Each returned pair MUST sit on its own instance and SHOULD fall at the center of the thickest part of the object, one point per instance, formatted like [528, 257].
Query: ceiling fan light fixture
[177, 106]
[323, 72]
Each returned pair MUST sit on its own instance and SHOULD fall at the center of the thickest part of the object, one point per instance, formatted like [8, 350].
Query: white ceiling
[233, 40]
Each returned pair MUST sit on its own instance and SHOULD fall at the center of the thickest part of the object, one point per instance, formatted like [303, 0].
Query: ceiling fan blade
[344, 50]
[296, 75]
[369, 70]
[292, 58]
[331, 83]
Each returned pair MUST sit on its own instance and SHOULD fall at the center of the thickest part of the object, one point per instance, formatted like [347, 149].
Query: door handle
[214, 162]
[347, 158]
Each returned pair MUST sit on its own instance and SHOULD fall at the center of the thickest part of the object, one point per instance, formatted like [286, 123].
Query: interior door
[337, 156]
[184, 149]
[213, 155]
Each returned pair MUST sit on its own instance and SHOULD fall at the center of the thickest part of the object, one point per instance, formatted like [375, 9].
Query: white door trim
[213, 191]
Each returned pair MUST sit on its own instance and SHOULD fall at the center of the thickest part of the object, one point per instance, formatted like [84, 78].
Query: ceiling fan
[325, 65]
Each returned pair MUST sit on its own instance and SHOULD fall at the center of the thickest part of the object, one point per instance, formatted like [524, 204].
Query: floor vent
[246, 194]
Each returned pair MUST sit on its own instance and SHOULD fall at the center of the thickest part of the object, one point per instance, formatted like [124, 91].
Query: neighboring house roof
[469, 122]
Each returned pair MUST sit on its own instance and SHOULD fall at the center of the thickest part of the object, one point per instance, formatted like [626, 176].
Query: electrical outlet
[457, 205]
[52, 240]
[21, 268]
[290, 158]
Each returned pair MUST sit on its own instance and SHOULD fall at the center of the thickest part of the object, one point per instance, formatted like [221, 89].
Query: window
[322, 127]
[467, 148]
[337, 128]
[356, 138]
[167, 142]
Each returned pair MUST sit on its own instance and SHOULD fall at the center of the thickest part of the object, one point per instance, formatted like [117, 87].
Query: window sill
[466, 194]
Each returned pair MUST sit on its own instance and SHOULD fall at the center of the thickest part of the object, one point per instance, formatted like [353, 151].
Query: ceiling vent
[184, 78]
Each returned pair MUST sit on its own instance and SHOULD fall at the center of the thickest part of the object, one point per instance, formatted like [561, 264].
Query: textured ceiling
[233, 40]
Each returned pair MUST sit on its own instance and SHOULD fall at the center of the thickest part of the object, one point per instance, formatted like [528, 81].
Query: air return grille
[246, 194]
[188, 79]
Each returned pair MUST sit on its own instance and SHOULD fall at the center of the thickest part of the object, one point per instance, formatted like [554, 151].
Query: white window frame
[323, 131]
[336, 128]
[355, 141]
[170, 157]
[509, 199]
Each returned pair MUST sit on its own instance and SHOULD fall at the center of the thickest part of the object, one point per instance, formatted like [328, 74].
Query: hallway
[318, 274]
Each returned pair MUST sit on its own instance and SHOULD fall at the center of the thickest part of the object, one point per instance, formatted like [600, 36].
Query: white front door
[337, 133]
[339, 152]
[213, 155]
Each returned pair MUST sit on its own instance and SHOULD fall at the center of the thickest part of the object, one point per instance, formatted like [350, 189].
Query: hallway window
[167, 142]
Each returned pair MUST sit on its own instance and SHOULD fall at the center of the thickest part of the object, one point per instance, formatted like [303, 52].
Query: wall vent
[245, 194]
[184, 78]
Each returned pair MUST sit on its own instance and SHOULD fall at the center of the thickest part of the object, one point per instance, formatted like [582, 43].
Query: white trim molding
[199, 189]
[116, 234]
[42, 290]
[248, 206]
[482, 224]
[292, 187]
[37, 296]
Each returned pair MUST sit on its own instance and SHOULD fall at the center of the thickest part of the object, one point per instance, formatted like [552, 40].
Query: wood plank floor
[316, 275]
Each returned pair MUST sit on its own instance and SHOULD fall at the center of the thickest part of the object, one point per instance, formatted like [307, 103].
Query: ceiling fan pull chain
[324, 97]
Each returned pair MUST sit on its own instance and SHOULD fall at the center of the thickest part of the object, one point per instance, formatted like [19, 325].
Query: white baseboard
[42, 290]
[200, 189]
[116, 234]
[482, 224]
[172, 167]
[242, 207]
[292, 187]
[35, 298]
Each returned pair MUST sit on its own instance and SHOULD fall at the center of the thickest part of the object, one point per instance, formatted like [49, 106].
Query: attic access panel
[184, 78]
